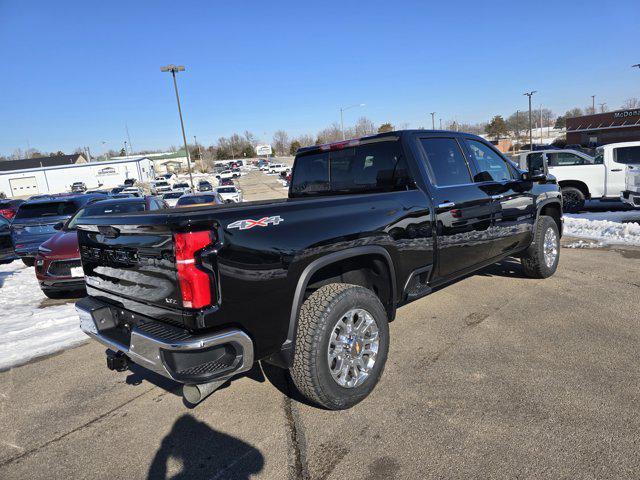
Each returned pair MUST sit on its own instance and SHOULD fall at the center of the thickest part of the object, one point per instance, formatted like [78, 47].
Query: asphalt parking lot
[495, 376]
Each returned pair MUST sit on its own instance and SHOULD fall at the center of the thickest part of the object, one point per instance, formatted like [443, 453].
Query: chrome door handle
[616, 169]
[497, 197]
[447, 205]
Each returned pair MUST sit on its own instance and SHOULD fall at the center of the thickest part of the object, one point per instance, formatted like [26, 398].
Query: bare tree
[630, 103]
[281, 142]
[330, 134]
[364, 127]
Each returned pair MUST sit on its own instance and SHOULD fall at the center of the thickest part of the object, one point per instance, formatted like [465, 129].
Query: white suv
[229, 194]
[278, 168]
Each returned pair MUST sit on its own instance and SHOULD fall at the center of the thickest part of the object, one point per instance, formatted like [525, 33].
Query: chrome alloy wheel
[550, 247]
[353, 348]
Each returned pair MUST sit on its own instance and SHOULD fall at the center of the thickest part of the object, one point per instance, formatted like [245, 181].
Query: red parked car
[9, 207]
[58, 266]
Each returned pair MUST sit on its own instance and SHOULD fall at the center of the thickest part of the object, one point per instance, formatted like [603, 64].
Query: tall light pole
[433, 120]
[173, 69]
[602, 105]
[440, 124]
[342, 109]
[530, 94]
[593, 103]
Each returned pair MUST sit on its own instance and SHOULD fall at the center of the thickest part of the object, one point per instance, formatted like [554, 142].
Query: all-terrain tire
[572, 199]
[534, 263]
[316, 322]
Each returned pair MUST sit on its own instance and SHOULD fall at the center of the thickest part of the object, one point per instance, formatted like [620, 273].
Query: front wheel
[572, 199]
[540, 260]
[341, 345]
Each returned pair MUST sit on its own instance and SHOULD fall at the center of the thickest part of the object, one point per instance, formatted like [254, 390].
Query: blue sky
[76, 72]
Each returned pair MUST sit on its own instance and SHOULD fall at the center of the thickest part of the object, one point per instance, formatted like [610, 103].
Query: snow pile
[606, 227]
[584, 244]
[28, 331]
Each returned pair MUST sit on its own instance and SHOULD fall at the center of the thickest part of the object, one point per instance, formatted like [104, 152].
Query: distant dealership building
[604, 128]
[23, 178]
[164, 162]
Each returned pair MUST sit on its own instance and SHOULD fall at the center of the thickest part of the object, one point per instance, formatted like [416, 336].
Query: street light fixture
[433, 120]
[530, 94]
[173, 69]
[342, 109]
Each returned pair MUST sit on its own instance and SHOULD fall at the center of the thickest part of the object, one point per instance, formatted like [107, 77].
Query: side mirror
[58, 226]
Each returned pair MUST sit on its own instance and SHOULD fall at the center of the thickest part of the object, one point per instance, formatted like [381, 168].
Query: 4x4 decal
[249, 223]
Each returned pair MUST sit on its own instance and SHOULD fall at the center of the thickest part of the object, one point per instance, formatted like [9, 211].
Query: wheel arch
[334, 259]
[553, 209]
[580, 185]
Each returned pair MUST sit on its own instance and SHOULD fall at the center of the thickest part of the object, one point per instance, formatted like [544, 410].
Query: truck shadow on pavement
[509, 267]
[202, 452]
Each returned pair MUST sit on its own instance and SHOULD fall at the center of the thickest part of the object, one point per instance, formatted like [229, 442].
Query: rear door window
[374, 166]
[627, 155]
[445, 162]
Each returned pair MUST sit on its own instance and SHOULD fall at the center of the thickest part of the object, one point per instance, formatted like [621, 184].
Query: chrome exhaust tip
[196, 393]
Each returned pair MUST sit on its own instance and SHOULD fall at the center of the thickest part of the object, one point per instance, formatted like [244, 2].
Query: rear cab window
[47, 209]
[371, 165]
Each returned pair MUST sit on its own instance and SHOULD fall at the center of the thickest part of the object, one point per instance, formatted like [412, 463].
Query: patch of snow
[584, 244]
[621, 227]
[28, 331]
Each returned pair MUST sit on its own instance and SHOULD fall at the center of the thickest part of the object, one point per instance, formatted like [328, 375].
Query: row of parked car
[612, 174]
[41, 231]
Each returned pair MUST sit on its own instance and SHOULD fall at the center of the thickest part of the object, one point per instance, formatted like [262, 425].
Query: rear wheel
[540, 260]
[572, 199]
[341, 345]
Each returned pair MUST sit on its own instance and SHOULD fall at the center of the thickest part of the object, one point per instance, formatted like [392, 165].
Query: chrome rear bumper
[170, 351]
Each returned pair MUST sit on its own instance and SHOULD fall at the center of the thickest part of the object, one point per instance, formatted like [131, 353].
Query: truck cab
[580, 176]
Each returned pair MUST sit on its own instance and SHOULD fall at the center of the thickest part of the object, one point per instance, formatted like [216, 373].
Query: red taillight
[195, 284]
[7, 213]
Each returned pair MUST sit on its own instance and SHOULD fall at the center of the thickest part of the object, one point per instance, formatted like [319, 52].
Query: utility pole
[342, 109]
[602, 105]
[530, 94]
[433, 120]
[593, 103]
[173, 69]
[440, 124]
[540, 123]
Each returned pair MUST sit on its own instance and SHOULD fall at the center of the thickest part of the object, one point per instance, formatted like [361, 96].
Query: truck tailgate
[130, 263]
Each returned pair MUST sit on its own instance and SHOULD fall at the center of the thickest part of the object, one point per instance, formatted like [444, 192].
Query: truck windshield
[46, 209]
[627, 155]
[373, 166]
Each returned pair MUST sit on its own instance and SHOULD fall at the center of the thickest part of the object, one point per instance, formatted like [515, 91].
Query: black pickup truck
[309, 283]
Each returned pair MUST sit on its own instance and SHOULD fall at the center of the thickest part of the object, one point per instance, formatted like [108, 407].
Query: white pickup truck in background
[580, 176]
[629, 153]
